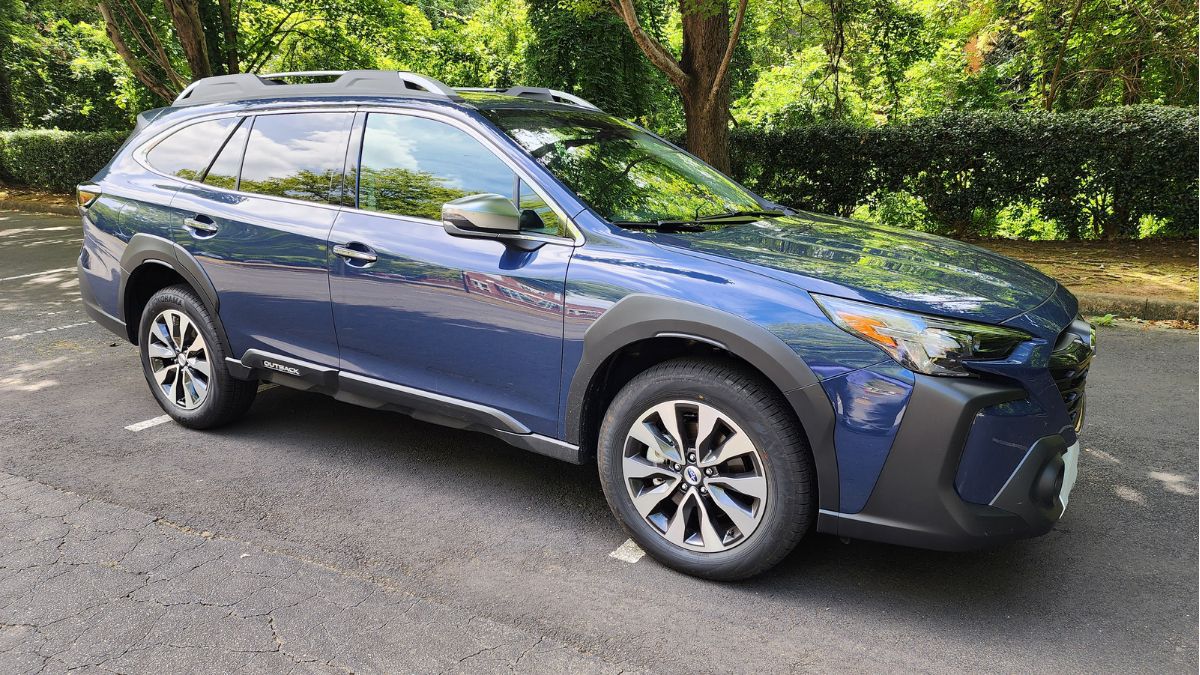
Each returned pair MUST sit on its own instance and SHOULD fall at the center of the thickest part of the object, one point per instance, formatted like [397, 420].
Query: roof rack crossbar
[348, 83]
[552, 95]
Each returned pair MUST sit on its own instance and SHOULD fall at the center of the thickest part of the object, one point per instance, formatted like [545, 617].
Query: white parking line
[628, 552]
[161, 419]
[37, 274]
[22, 336]
[153, 422]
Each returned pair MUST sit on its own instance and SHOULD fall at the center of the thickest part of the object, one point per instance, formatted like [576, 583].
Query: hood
[889, 266]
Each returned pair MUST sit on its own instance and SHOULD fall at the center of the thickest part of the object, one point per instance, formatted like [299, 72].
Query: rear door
[258, 222]
[473, 319]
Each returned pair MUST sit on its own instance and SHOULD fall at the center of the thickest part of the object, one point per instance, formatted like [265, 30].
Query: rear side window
[410, 166]
[224, 170]
[187, 152]
[297, 155]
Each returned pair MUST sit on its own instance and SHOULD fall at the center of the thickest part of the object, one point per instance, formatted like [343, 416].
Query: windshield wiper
[737, 214]
[662, 225]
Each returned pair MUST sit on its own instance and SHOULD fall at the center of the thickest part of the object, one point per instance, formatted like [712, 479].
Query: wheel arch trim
[639, 317]
[147, 249]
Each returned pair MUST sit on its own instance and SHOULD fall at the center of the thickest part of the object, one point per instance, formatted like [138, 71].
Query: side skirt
[423, 405]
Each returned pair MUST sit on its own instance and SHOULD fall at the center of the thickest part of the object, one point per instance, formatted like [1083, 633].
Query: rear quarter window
[187, 152]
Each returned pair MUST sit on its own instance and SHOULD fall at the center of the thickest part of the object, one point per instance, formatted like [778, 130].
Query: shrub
[55, 160]
[1090, 174]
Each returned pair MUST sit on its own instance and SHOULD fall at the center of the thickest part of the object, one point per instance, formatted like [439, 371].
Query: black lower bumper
[914, 502]
[92, 307]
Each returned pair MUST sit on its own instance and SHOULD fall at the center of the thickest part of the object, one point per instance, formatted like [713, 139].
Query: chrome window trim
[139, 156]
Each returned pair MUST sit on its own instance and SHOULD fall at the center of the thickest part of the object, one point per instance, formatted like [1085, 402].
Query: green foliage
[59, 72]
[588, 51]
[55, 160]
[885, 60]
[1102, 173]
[1106, 320]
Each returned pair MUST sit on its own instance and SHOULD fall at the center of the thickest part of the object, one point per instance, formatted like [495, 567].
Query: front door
[261, 233]
[472, 319]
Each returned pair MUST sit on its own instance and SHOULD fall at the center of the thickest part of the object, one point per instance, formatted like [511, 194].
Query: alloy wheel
[179, 359]
[694, 476]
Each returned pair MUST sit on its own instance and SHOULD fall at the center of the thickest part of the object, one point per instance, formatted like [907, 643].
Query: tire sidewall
[787, 483]
[183, 301]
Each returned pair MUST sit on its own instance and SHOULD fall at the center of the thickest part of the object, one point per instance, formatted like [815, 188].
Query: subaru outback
[519, 263]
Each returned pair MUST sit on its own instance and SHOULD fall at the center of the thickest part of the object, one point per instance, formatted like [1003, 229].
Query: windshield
[625, 174]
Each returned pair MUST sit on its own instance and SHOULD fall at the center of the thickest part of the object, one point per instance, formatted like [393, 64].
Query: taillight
[86, 194]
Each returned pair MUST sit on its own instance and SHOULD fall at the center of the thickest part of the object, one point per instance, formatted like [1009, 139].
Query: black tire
[226, 398]
[771, 425]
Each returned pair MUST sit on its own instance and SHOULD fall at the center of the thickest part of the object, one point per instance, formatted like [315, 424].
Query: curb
[1129, 306]
[38, 207]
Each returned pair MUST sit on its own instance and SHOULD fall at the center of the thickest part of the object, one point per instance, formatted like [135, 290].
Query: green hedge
[1089, 174]
[55, 160]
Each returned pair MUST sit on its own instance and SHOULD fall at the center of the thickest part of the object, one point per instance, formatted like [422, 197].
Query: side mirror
[480, 216]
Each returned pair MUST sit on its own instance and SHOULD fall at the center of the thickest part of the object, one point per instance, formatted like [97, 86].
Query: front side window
[410, 166]
[187, 152]
[297, 155]
[621, 171]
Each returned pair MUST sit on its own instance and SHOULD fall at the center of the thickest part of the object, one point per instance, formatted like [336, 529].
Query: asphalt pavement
[316, 536]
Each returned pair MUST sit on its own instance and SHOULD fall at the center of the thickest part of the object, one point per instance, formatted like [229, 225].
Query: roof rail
[348, 83]
[552, 95]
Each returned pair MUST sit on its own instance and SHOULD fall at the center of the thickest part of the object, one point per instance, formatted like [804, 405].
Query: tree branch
[723, 70]
[154, 50]
[1052, 89]
[139, 71]
[653, 49]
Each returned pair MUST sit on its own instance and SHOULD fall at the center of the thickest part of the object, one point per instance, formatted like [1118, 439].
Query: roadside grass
[1158, 269]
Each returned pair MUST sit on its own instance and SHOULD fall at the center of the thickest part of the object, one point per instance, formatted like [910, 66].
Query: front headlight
[927, 344]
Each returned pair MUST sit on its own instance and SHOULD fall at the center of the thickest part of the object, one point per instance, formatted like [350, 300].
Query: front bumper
[916, 499]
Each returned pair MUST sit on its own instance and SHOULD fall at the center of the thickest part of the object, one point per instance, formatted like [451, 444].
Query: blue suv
[519, 263]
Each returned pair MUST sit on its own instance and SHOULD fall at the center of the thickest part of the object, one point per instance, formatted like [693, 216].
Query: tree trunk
[185, 16]
[701, 76]
[705, 110]
[229, 32]
[8, 106]
[707, 130]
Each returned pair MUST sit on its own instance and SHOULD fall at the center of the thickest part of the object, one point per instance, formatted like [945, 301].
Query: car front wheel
[705, 466]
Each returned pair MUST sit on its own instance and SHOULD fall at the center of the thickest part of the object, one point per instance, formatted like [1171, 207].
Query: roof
[358, 83]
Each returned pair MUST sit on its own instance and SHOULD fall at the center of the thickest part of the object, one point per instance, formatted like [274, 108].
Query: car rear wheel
[184, 362]
[705, 466]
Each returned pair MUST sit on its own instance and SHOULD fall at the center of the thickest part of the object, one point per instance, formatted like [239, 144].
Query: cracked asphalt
[318, 537]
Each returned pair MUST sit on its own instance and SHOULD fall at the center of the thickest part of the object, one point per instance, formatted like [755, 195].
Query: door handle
[345, 251]
[198, 225]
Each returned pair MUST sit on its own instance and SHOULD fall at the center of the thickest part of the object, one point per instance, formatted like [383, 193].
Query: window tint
[187, 152]
[224, 170]
[536, 214]
[411, 166]
[297, 155]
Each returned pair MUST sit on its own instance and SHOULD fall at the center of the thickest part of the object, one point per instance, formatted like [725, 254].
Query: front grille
[1069, 366]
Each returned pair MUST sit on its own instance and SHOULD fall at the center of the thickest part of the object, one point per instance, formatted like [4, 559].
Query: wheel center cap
[692, 475]
[181, 359]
